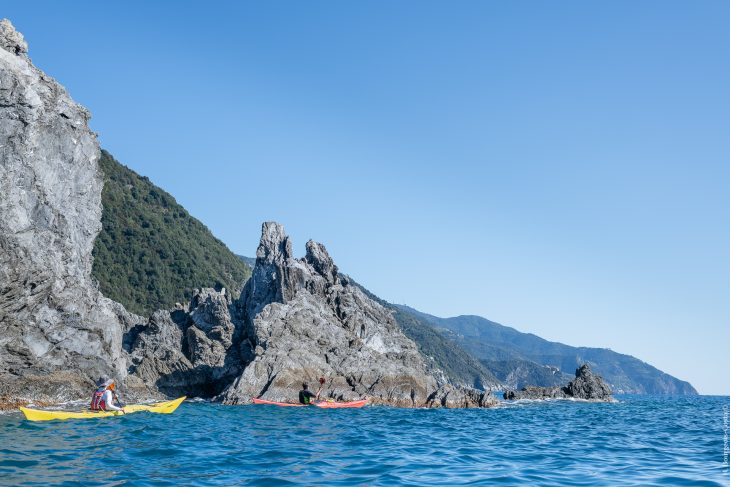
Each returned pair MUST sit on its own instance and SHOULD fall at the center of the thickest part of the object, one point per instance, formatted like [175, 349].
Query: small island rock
[586, 385]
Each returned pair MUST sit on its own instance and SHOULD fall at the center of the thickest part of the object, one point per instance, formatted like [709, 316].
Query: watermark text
[725, 449]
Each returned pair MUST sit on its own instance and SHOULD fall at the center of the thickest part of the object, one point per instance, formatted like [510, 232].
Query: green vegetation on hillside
[459, 366]
[151, 253]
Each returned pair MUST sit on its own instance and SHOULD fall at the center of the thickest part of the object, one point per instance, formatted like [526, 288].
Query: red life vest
[97, 400]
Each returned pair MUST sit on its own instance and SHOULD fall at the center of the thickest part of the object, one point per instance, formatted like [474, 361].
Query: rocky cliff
[192, 350]
[57, 332]
[297, 320]
[305, 320]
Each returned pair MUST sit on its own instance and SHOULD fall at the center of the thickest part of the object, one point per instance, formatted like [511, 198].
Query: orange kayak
[321, 404]
[351, 404]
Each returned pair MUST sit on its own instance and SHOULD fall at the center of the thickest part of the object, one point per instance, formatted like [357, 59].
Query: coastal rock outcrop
[194, 351]
[586, 385]
[304, 320]
[57, 332]
[296, 320]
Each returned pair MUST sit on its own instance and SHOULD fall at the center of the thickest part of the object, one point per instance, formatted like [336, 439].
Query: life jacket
[304, 396]
[97, 400]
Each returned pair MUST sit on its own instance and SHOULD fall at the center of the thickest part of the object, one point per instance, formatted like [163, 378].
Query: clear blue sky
[561, 167]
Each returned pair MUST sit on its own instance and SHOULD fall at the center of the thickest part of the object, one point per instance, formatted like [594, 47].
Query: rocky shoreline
[297, 319]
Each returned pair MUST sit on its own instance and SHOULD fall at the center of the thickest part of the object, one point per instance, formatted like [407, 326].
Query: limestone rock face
[586, 385]
[304, 320]
[187, 351]
[53, 320]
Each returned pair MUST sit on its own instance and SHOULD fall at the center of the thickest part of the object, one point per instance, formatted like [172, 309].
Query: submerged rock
[586, 385]
[57, 332]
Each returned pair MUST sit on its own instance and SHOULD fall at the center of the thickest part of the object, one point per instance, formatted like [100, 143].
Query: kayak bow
[165, 407]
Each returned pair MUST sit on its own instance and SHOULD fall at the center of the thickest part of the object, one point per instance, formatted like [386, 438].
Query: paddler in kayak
[103, 397]
[305, 395]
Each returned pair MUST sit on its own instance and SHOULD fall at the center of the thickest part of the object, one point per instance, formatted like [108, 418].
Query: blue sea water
[638, 441]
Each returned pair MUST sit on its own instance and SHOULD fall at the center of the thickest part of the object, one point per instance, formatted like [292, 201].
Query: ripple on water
[639, 440]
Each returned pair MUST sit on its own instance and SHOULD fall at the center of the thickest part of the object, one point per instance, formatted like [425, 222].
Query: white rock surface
[53, 320]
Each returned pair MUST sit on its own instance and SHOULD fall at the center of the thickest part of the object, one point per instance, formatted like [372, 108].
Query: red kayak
[321, 404]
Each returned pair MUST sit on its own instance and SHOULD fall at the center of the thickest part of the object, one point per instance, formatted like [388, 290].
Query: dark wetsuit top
[305, 396]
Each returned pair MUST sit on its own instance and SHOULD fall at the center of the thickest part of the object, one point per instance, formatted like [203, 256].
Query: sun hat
[104, 382]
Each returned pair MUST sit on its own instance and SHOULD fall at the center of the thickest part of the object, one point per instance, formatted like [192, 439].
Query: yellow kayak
[166, 407]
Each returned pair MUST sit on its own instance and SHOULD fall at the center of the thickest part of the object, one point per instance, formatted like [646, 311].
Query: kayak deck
[320, 404]
[335, 405]
[165, 407]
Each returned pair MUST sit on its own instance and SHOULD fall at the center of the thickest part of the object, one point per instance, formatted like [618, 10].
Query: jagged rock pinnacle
[302, 322]
[11, 40]
[318, 257]
[275, 245]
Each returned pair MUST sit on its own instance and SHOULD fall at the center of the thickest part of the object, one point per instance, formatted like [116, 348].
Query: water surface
[639, 440]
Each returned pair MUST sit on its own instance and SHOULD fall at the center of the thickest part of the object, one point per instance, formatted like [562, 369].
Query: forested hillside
[151, 253]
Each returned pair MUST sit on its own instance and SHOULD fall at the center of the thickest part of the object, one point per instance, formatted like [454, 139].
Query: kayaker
[103, 397]
[305, 395]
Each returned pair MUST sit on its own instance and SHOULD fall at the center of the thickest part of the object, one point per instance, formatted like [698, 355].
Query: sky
[559, 167]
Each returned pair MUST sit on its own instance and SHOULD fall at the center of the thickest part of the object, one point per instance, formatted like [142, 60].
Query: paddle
[120, 404]
[321, 384]
[119, 401]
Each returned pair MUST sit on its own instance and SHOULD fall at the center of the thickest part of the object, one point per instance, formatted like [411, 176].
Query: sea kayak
[165, 407]
[321, 404]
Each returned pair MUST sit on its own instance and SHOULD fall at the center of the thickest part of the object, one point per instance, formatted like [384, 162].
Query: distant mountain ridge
[505, 351]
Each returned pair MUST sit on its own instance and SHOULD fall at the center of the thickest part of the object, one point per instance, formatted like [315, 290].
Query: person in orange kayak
[305, 395]
[103, 397]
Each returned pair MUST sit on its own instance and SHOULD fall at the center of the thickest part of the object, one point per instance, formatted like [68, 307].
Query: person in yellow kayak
[103, 397]
[305, 395]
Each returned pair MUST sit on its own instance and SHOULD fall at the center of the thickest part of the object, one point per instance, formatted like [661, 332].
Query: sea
[638, 440]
